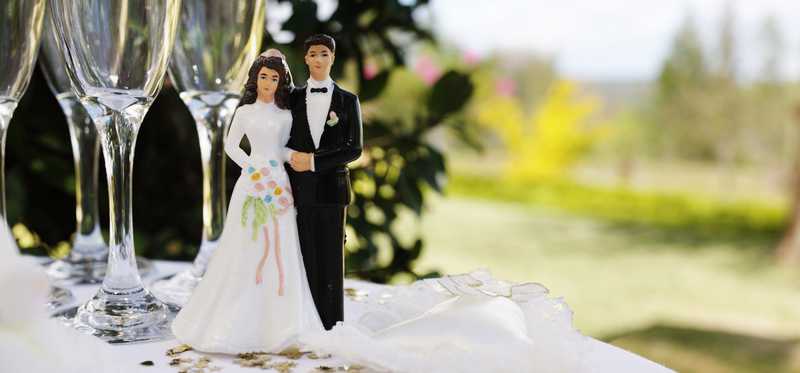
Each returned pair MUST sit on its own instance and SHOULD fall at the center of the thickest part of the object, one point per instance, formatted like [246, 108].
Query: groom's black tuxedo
[321, 196]
[339, 145]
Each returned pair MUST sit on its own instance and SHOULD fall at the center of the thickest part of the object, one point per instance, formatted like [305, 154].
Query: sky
[610, 39]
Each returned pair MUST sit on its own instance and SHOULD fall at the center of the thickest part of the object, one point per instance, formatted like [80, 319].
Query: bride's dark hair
[284, 81]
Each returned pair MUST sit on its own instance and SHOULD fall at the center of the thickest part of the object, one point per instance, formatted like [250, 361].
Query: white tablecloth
[603, 357]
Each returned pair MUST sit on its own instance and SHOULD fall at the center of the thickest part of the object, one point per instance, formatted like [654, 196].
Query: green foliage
[705, 218]
[449, 95]
[400, 166]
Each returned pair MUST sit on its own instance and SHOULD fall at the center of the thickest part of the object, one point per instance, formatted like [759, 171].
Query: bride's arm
[286, 131]
[234, 138]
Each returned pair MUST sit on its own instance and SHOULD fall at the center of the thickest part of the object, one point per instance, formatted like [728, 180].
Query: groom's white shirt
[317, 106]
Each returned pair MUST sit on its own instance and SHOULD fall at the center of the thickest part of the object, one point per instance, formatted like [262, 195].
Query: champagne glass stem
[211, 123]
[86, 262]
[118, 139]
[85, 142]
[6, 111]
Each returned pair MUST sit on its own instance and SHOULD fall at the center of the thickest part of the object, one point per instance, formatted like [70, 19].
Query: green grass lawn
[694, 302]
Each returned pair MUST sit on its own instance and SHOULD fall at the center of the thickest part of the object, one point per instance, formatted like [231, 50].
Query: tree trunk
[788, 251]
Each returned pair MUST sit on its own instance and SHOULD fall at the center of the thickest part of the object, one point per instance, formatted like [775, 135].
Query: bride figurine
[255, 295]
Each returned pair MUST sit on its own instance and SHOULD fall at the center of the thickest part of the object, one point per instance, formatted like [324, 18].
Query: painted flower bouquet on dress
[266, 198]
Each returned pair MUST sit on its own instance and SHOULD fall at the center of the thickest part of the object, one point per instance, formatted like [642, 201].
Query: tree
[680, 101]
[788, 251]
[544, 145]
[728, 62]
[772, 50]
[686, 64]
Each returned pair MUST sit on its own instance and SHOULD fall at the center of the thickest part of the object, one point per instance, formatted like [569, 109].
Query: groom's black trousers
[321, 231]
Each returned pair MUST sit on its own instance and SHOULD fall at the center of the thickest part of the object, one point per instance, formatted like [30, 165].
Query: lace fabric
[462, 323]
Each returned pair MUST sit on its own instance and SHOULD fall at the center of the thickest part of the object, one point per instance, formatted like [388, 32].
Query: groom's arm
[350, 149]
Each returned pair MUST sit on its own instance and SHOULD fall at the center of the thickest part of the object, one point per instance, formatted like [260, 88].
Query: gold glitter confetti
[355, 294]
[251, 355]
[178, 350]
[315, 356]
[180, 360]
[351, 368]
[292, 352]
[253, 360]
[283, 367]
[202, 363]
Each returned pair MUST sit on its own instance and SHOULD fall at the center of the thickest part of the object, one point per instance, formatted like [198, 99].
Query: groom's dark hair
[320, 39]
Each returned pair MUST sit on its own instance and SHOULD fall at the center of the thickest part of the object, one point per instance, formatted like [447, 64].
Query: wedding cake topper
[255, 295]
[278, 270]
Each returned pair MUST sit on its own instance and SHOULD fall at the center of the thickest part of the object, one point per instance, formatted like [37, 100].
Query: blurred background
[639, 159]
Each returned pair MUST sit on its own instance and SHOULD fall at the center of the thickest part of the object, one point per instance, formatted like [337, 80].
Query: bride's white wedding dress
[237, 307]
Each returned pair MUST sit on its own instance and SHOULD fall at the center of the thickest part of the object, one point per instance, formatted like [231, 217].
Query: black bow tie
[319, 90]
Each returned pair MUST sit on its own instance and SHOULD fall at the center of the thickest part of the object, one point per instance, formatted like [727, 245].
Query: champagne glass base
[74, 270]
[130, 317]
[85, 264]
[176, 290]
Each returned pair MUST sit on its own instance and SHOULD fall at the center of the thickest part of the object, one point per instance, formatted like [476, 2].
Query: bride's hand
[280, 286]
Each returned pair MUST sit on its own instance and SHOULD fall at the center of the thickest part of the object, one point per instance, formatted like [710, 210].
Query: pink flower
[471, 58]
[259, 186]
[272, 184]
[505, 87]
[427, 70]
[370, 70]
[283, 201]
[265, 171]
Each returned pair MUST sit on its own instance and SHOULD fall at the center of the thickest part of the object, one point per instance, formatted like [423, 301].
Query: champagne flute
[87, 259]
[86, 262]
[117, 53]
[217, 42]
[20, 30]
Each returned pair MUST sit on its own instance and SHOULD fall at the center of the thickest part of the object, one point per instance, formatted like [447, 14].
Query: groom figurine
[325, 136]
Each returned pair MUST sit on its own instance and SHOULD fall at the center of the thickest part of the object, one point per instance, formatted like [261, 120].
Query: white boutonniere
[332, 119]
